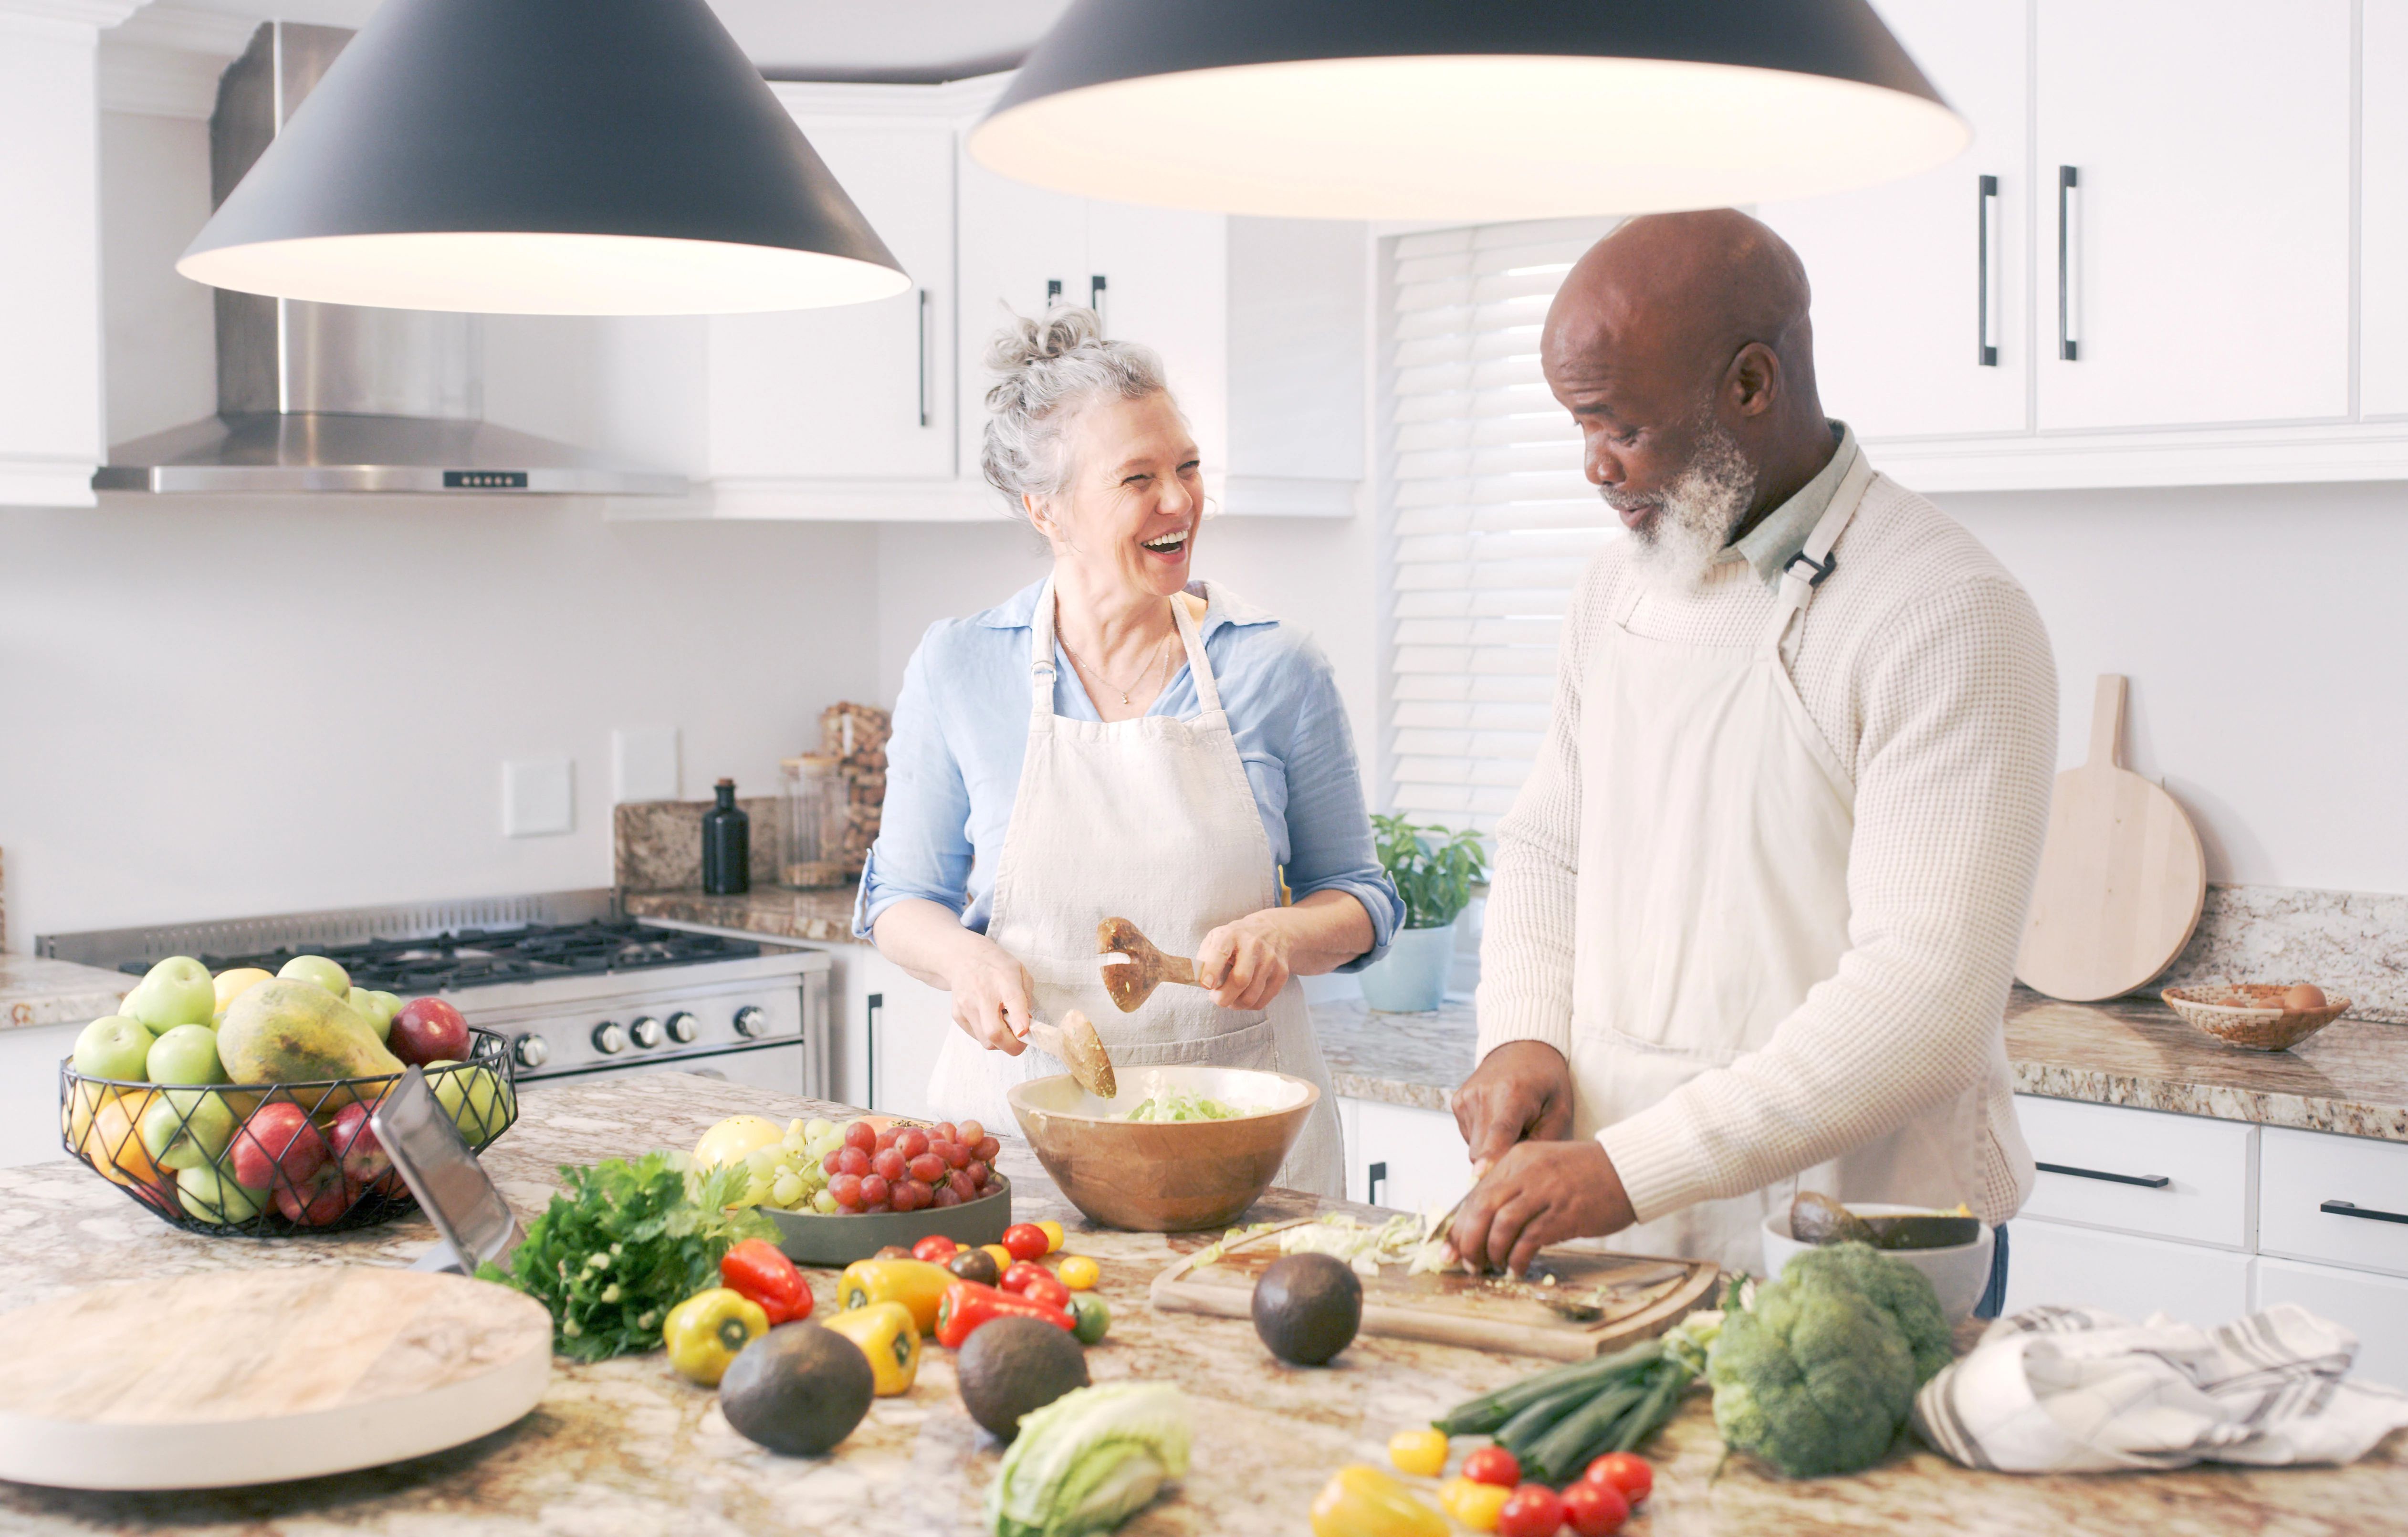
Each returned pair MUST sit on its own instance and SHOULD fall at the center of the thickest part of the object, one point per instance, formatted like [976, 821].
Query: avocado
[1307, 1308]
[1010, 1367]
[799, 1389]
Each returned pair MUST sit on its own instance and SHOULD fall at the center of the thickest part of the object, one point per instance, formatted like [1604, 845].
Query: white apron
[1712, 894]
[1151, 820]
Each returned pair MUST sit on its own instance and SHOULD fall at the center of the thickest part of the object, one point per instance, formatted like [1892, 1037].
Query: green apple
[378, 1009]
[185, 1129]
[474, 1098]
[114, 1046]
[186, 1055]
[177, 991]
[318, 969]
[214, 1197]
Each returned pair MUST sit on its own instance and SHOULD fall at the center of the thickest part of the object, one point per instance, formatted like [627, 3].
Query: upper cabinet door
[2382, 212]
[862, 391]
[1161, 277]
[1922, 287]
[1020, 248]
[2206, 225]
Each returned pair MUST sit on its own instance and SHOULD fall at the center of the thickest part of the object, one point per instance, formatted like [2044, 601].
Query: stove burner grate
[476, 957]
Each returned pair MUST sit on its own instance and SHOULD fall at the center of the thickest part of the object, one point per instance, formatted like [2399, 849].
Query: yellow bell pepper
[914, 1283]
[1475, 1504]
[705, 1332]
[1363, 1502]
[886, 1334]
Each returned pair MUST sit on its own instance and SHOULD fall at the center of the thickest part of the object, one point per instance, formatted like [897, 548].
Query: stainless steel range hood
[327, 398]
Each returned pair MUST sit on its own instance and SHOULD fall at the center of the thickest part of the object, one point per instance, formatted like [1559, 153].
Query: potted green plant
[1434, 870]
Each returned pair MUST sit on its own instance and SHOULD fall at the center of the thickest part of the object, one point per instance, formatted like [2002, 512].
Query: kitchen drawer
[1409, 1160]
[2373, 1307]
[2298, 1172]
[2131, 1277]
[2204, 1166]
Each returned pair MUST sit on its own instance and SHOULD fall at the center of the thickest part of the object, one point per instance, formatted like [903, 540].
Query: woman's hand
[1246, 963]
[994, 997]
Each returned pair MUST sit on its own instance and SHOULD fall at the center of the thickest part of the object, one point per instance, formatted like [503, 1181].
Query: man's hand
[1521, 1091]
[1540, 1193]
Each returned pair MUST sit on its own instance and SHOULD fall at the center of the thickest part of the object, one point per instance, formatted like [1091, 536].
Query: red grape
[874, 1190]
[860, 1134]
[889, 1163]
[960, 1184]
[927, 1167]
[886, 1139]
[946, 1195]
[905, 1196]
[912, 1142]
[944, 1132]
[985, 1149]
[851, 1161]
[954, 1154]
[968, 1132]
[878, 1206]
[832, 1164]
[846, 1189]
[975, 1171]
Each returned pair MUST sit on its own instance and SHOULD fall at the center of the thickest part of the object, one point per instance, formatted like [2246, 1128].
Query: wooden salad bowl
[1164, 1176]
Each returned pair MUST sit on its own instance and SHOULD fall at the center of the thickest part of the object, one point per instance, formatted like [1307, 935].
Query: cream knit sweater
[1926, 667]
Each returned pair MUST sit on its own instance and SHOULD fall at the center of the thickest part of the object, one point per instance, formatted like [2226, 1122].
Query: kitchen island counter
[625, 1447]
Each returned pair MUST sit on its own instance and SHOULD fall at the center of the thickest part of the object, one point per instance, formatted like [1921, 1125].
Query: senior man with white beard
[1755, 912]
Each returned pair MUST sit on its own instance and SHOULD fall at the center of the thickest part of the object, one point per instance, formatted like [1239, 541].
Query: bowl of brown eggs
[2257, 1016]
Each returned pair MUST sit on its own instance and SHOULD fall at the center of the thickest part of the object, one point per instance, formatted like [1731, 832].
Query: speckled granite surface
[656, 845]
[1403, 1060]
[626, 1448]
[35, 991]
[2353, 944]
[824, 916]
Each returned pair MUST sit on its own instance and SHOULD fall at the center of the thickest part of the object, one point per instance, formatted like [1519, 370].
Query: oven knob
[752, 1021]
[531, 1050]
[646, 1032]
[610, 1038]
[683, 1029]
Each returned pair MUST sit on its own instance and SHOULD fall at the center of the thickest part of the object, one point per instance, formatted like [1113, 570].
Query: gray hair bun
[1047, 368]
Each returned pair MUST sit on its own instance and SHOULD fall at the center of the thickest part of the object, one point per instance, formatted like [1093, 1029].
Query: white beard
[1695, 516]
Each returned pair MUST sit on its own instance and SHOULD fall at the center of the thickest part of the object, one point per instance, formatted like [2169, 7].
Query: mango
[286, 1031]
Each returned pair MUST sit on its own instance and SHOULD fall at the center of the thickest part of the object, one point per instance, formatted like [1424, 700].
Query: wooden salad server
[1081, 1049]
[1133, 980]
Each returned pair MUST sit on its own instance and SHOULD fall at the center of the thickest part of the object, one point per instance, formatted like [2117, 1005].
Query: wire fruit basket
[268, 1160]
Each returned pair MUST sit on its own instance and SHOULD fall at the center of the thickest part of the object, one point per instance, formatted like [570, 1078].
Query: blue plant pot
[1410, 978]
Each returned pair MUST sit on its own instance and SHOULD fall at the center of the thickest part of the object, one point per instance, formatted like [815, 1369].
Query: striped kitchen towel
[2073, 1391]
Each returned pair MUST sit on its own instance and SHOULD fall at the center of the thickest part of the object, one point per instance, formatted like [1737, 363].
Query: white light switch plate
[538, 797]
[644, 763]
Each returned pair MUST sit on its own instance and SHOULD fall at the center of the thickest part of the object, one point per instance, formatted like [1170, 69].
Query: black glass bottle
[726, 846]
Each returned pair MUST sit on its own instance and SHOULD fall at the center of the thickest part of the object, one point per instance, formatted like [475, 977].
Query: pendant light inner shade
[564, 157]
[1473, 110]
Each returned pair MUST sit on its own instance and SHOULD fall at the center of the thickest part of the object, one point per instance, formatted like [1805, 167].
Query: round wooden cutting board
[2122, 879]
[253, 1377]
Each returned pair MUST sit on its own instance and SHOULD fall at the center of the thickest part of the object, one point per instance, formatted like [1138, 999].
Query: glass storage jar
[816, 793]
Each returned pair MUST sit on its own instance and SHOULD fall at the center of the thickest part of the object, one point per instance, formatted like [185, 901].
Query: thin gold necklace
[1098, 673]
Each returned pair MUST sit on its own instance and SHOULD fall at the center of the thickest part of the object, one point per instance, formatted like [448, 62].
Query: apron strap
[1208, 691]
[1815, 561]
[1040, 657]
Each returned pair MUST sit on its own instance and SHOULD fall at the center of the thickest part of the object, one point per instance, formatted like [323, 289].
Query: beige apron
[1712, 894]
[1151, 820]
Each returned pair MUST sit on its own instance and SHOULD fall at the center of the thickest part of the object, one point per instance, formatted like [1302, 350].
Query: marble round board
[253, 1377]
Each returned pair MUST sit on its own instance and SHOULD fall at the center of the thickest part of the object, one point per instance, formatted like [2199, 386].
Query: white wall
[2265, 631]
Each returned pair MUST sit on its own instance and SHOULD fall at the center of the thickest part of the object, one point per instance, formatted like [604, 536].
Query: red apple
[428, 1029]
[278, 1146]
[363, 1158]
[316, 1201]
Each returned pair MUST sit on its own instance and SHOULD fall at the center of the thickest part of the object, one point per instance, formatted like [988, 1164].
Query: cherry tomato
[935, 1249]
[1534, 1511]
[1002, 1257]
[1078, 1272]
[1493, 1465]
[1476, 1505]
[1054, 1235]
[1626, 1473]
[1595, 1509]
[1420, 1453]
[1024, 1240]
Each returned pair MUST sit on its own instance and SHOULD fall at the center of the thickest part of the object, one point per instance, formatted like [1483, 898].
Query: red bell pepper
[756, 1269]
[1026, 1278]
[967, 1305]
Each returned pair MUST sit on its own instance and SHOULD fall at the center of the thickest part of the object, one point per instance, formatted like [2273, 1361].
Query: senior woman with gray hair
[1120, 740]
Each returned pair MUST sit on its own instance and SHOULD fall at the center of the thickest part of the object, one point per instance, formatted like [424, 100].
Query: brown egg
[2302, 997]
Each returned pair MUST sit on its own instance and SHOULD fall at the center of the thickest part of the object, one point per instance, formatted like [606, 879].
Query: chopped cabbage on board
[1403, 1239]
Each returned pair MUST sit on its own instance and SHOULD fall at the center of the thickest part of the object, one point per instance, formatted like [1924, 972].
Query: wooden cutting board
[254, 1376]
[2122, 877]
[1639, 1299]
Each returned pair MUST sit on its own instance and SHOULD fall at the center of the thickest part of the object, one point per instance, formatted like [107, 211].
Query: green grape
[787, 1191]
[818, 1130]
[824, 1204]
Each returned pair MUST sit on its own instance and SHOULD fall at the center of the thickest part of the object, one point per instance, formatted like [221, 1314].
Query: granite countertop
[823, 917]
[624, 1447]
[36, 991]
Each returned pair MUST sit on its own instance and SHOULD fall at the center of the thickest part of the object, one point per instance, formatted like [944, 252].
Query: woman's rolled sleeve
[1329, 831]
[924, 847]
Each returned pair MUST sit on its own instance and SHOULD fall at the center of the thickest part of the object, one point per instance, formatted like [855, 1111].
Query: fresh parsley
[622, 1244]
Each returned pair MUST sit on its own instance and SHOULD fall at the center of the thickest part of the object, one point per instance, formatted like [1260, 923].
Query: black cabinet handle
[1985, 351]
[1096, 297]
[1374, 1177]
[1053, 291]
[2068, 180]
[2347, 1208]
[873, 1015]
[2149, 1182]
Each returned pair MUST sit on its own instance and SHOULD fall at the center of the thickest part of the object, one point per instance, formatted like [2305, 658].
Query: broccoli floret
[1819, 1374]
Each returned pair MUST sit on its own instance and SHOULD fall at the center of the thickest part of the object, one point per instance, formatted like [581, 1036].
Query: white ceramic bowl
[1960, 1273]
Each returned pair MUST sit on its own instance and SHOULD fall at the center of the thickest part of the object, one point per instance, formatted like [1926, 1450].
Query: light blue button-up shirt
[961, 731]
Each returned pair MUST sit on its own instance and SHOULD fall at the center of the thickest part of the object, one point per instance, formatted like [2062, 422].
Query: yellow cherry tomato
[1420, 1453]
[1078, 1272]
[1003, 1260]
[1053, 1232]
[1478, 1507]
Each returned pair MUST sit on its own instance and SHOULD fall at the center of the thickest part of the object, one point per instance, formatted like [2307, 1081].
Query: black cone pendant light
[1465, 108]
[544, 157]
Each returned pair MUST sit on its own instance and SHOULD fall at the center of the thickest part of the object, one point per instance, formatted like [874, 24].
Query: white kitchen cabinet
[29, 1092]
[1403, 1157]
[2139, 1171]
[2382, 213]
[2373, 1307]
[855, 391]
[2340, 1199]
[888, 1026]
[1921, 288]
[2125, 1274]
[2207, 237]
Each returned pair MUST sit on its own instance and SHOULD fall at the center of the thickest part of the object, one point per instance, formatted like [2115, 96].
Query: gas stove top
[481, 957]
